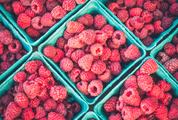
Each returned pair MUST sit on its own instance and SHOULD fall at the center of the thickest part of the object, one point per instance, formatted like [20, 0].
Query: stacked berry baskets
[88, 60]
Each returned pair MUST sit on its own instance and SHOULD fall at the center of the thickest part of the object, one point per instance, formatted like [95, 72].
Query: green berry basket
[160, 47]
[6, 85]
[99, 110]
[90, 115]
[25, 45]
[157, 39]
[33, 42]
[91, 7]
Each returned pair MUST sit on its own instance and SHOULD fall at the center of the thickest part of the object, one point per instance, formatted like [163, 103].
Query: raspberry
[156, 92]
[31, 66]
[161, 112]
[49, 51]
[115, 117]
[166, 22]
[150, 6]
[17, 7]
[95, 87]
[129, 113]
[149, 28]
[74, 27]
[96, 49]
[166, 99]
[130, 3]
[164, 6]
[101, 37]
[68, 5]
[28, 114]
[165, 86]
[115, 56]
[36, 23]
[115, 68]
[66, 64]
[40, 112]
[131, 97]
[149, 67]
[43, 96]
[106, 54]
[135, 11]
[58, 12]
[119, 37]
[173, 112]
[60, 43]
[85, 62]
[75, 107]
[47, 20]
[120, 104]
[12, 111]
[142, 34]
[44, 72]
[128, 25]
[50, 105]
[15, 46]
[87, 36]
[110, 105]
[58, 92]
[131, 82]
[157, 14]
[157, 26]
[1, 48]
[147, 16]
[170, 49]
[175, 101]
[80, 1]
[145, 82]
[55, 116]
[123, 15]
[87, 76]
[173, 9]
[77, 54]
[37, 6]
[86, 19]
[34, 103]
[83, 87]
[162, 57]
[108, 29]
[106, 76]
[23, 20]
[98, 67]
[25, 2]
[74, 75]
[20, 77]
[21, 99]
[114, 7]
[61, 109]
[99, 21]
[4, 65]
[6, 37]
[33, 32]
[149, 105]
[132, 52]
[75, 42]
[50, 4]
[171, 65]
[59, 55]
[176, 75]
[123, 58]
[137, 22]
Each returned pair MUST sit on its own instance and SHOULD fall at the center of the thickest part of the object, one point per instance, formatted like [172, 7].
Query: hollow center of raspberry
[118, 36]
[129, 93]
[98, 51]
[145, 108]
[94, 89]
[13, 45]
[35, 7]
[139, 20]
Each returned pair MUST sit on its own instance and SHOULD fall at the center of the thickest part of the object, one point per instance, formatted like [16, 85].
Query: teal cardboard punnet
[90, 115]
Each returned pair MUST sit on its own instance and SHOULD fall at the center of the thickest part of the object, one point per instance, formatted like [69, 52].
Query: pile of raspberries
[91, 52]
[144, 96]
[11, 49]
[145, 18]
[36, 95]
[37, 16]
[169, 56]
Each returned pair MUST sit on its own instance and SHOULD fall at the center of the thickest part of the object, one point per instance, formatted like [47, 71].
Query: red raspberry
[49, 51]
[29, 12]
[87, 76]
[44, 95]
[106, 54]
[132, 52]
[55, 116]
[123, 15]
[162, 57]
[149, 28]
[147, 16]
[166, 99]
[36, 23]
[119, 37]
[12, 111]
[108, 29]
[98, 67]
[4, 65]
[171, 65]
[175, 101]
[171, 1]
[6, 99]
[80, 1]
[19, 88]
[165, 86]
[75, 42]
[131, 82]
[106, 76]
[156, 92]
[110, 105]
[85, 62]
[96, 49]
[6, 37]
[15, 46]
[99, 21]
[115, 56]
[77, 54]
[157, 27]
[128, 25]
[33, 32]
[130, 3]
[164, 6]
[123, 58]
[166, 22]
[1, 48]
[74, 75]
[83, 87]
[31, 66]
[149, 67]
[135, 11]
[161, 112]
[43, 118]
[25, 2]
[66, 64]
[145, 82]
[50, 4]
[173, 112]
[44, 72]
[129, 113]
[120, 104]
[47, 20]
[59, 55]
[17, 7]
[58, 92]
[20, 77]
[176, 75]
[37, 6]
[50, 105]
[95, 87]
[61, 109]
[101, 37]
[60, 43]
[28, 114]
[86, 19]
[34, 103]
[150, 6]
[115, 117]
[23, 20]
[114, 7]
[173, 9]
[68, 5]
[58, 12]
[21, 99]
[137, 22]
[157, 14]
[115, 68]
[131, 97]
[170, 49]
[87, 36]
[149, 105]
[40, 112]
[147, 41]
[74, 27]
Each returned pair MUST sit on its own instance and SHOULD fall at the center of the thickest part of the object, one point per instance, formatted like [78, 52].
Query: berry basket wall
[25, 45]
[33, 42]
[90, 115]
[160, 47]
[160, 72]
[6, 85]
[91, 7]
[156, 39]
